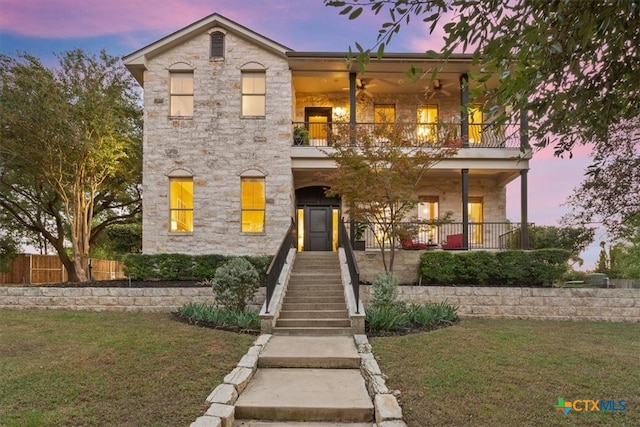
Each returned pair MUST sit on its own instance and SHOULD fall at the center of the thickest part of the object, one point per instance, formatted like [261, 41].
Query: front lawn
[67, 368]
[512, 372]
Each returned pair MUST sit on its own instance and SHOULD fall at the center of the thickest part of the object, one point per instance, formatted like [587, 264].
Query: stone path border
[221, 412]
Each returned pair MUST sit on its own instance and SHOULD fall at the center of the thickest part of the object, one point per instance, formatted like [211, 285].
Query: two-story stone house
[224, 171]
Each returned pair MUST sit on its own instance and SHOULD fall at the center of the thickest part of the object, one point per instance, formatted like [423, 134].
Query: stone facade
[215, 147]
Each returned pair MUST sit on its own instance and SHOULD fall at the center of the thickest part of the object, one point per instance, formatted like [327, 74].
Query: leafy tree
[8, 252]
[610, 192]
[623, 258]
[575, 65]
[70, 150]
[575, 240]
[390, 169]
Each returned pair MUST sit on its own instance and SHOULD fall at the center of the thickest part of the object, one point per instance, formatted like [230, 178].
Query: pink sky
[123, 26]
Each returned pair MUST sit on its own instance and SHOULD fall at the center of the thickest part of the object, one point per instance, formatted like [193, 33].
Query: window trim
[173, 95]
[262, 179]
[252, 94]
[191, 209]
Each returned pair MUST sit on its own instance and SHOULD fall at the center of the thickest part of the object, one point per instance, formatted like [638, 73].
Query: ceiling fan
[361, 87]
[438, 88]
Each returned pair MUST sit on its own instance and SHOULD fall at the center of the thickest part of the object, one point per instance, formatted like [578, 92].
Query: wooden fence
[31, 269]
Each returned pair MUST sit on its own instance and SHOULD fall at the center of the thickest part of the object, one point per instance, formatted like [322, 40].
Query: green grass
[121, 369]
[512, 372]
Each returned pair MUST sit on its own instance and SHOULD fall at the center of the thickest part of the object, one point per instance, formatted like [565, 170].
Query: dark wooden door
[318, 228]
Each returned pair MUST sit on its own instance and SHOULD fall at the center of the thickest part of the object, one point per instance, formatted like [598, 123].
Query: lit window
[384, 113]
[427, 122]
[253, 205]
[181, 94]
[475, 125]
[475, 209]
[428, 211]
[181, 205]
[253, 93]
[217, 45]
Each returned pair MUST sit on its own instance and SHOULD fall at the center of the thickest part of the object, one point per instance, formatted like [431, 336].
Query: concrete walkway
[311, 381]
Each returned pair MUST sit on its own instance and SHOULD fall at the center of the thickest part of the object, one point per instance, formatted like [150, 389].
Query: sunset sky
[44, 27]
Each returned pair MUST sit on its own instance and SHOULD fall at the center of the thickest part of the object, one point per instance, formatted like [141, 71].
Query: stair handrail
[278, 262]
[352, 264]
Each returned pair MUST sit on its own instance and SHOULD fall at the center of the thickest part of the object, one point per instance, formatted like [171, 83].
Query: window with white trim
[181, 204]
[254, 93]
[253, 205]
[181, 90]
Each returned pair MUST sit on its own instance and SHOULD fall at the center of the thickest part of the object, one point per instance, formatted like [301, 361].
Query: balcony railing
[482, 235]
[481, 135]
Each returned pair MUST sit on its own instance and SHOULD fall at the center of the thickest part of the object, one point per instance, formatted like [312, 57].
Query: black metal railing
[481, 135]
[481, 235]
[278, 262]
[352, 264]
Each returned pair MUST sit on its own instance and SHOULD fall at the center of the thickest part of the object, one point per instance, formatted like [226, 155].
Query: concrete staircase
[306, 381]
[309, 371]
[314, 303]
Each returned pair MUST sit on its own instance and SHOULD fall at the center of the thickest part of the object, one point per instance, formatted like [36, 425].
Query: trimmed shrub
[235, 284]
[475, 268]
[438, 267]
[140, 266]
[182, 267]
[205, 266]
[538, 268]
[261, 264]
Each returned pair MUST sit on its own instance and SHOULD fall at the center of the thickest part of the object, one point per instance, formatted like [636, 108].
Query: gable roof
[136, 62]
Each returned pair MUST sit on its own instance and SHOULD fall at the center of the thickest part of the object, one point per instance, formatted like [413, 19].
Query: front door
[319, 228]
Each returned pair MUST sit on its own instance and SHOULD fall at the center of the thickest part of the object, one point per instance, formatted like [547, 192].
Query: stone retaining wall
[615, 305]
[109, 299]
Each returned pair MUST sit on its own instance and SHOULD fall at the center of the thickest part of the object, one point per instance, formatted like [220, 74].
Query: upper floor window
[254, 93]
[475, 124]
[428, 122]
[217, 45]
[181, 204]
[253, 204]
[181, 93]
[384, 113]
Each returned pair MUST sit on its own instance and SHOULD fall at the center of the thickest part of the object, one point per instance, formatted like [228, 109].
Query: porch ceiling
[319, 176]
[330, 73]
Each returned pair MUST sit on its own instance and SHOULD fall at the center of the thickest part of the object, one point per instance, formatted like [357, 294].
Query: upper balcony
[333, 102]
[480, 135]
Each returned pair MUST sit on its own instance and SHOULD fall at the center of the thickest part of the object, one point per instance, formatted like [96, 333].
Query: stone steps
[313, 314]
[312, 380]
[314, 303]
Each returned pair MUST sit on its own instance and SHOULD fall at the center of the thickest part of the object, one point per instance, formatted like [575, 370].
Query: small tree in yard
[378, 174]
[235, 284]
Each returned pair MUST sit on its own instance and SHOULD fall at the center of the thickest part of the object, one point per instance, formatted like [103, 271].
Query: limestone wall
[109, 299]
[616, 305]
[216, 146]
[510, 303]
